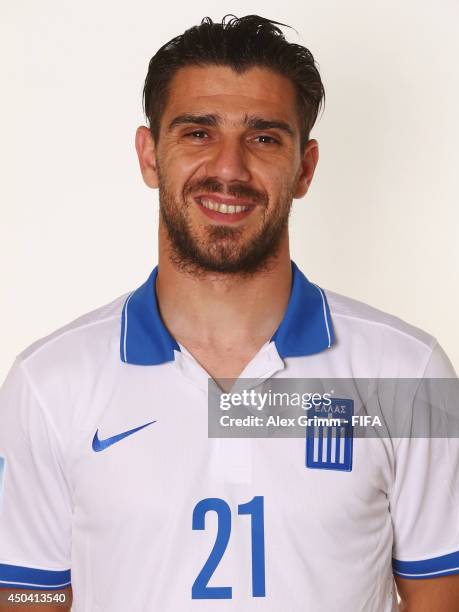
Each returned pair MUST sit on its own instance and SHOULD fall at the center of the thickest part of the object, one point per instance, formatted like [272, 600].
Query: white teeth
[222, 208]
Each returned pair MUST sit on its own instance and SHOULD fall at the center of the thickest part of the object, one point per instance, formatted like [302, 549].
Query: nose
[228, 162]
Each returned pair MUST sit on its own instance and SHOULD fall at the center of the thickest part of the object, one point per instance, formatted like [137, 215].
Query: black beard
[221, 253]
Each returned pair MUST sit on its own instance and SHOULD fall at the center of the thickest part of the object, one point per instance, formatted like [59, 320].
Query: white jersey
[109, 481]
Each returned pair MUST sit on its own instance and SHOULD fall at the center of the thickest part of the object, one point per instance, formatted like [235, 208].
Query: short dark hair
[240, 43]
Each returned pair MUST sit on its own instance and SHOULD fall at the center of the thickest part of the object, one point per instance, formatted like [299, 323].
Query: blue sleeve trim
[427, 568]
[30, 578]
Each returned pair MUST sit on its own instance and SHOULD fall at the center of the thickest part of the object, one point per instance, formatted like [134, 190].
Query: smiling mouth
[222, 207]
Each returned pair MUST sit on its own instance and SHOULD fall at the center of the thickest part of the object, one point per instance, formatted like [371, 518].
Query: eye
[199, 134]
[265, 139]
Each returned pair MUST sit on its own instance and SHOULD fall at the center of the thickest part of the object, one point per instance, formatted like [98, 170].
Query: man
[111, 482]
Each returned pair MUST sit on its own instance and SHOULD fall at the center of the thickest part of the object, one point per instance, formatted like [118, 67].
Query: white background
[379, 224]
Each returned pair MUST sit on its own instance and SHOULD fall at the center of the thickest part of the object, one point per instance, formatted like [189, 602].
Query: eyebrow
[207, 120]
[250, 121]
[259, 123]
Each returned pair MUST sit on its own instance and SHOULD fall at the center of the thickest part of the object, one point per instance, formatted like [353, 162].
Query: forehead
[219, 89]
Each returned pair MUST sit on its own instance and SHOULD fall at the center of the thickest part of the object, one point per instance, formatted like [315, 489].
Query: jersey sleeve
[424, 501]
[35, 499]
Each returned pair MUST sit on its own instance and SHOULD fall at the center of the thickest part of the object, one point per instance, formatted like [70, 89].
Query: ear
[146, 152]
[308, 165]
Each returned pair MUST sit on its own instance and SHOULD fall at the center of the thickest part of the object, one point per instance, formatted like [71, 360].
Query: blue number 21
[254, 507]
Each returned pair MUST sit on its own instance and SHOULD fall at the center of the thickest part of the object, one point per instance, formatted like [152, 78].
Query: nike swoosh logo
[99, 445]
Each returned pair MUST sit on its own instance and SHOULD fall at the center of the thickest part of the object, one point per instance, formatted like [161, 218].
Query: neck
[220, 311]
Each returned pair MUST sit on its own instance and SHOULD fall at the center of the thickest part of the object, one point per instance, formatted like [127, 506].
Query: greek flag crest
[329, 436]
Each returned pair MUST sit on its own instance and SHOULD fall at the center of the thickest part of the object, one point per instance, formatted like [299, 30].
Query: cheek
[177, 155]
[182, 169]
[277, 175]
[280, 190]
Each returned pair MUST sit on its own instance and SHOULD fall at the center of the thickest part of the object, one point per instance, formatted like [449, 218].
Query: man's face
[228, 164]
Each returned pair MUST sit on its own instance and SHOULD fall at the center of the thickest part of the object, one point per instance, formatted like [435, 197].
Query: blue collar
[305, 329]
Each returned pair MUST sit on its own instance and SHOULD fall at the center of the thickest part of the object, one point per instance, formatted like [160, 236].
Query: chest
[155, 455]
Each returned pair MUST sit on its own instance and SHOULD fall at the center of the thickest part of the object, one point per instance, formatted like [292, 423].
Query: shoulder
[59, 374]
[392, 345]
[80, 340]
[346, 310]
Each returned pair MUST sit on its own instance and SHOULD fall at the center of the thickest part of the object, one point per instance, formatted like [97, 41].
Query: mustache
[237, 190]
